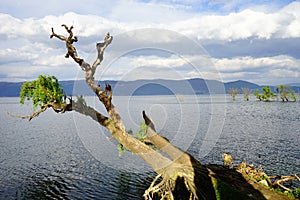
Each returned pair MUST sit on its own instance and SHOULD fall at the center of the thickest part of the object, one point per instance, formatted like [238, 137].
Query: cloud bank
[253, 43]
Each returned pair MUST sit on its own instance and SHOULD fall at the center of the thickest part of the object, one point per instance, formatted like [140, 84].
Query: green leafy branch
[44, 90]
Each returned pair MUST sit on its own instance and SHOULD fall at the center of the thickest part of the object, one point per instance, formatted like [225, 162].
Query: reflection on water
[51, 158]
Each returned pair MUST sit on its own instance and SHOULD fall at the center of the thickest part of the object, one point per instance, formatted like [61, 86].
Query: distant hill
[241, 84]
[144, 87]
[8, 89]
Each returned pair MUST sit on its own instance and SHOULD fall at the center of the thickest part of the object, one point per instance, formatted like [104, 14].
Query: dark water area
[69, 156]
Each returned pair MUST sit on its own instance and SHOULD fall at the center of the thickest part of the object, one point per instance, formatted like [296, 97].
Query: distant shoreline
[147, 87]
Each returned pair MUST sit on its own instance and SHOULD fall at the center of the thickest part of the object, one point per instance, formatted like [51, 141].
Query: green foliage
[286, 92]
[267, 94]
[257, 94]
[293, 95]
[141, 133]
[45, 89]
[224, 191]
[296, 192]
[283, 91]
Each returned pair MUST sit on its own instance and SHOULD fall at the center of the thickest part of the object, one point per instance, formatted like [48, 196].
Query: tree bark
[180, 175]
[167, 169]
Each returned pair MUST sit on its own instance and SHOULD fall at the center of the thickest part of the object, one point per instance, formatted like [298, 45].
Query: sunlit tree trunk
[179, 175]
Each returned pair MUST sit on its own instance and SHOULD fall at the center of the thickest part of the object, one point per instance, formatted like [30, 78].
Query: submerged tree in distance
[233, 92]
[257, 94]
[179, 175]
[268, 94]
[246, 92]
[286, 92]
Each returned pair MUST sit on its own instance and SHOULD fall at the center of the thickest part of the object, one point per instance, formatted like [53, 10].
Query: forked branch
[104, 96]
[71, 50]
[30, 117]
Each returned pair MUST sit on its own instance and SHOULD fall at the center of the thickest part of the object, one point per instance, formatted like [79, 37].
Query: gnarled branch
[71, 50]
[57, 107]
[35, 114]
[90, 71]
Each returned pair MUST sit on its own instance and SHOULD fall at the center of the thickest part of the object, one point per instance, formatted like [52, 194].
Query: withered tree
[233, 92]
[179, 175]
[176, 174]
[246, 92]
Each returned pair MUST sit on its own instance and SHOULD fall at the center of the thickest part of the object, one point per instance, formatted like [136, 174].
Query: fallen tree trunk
[179, 175]
[171, 172]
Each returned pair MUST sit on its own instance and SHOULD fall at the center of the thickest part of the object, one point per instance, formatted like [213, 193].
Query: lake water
[69, 156]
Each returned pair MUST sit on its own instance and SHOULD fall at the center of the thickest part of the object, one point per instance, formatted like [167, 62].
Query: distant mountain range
[146, 87]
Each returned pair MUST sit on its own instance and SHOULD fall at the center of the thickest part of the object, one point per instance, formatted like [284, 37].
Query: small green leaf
[141, 133]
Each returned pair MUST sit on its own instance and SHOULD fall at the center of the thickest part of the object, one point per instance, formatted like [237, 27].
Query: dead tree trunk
[179, 175]
[175, 170]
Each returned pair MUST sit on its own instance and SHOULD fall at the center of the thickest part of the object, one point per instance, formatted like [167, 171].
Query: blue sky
[257, 41]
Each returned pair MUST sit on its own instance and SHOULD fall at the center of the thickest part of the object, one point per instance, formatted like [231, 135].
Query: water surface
[68, 156]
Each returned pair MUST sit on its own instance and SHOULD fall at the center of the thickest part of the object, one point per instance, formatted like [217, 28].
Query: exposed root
[172, 179]
[161, 189]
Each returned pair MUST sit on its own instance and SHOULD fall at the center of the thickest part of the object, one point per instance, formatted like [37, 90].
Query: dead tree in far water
[246, 92]
[233, 92]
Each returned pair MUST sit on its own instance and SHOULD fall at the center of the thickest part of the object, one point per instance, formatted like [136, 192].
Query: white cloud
[146, 67]
[25, 42]
[264, 70]
[155, 61]
[252, 64]
[13, 55]
[283, 73]
[245, 24]
[241, 25]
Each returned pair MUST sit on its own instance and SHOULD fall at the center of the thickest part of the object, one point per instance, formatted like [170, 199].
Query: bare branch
[71, 50]
[35, 114]
[90, 71]
[101, 46]
[148, 121]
